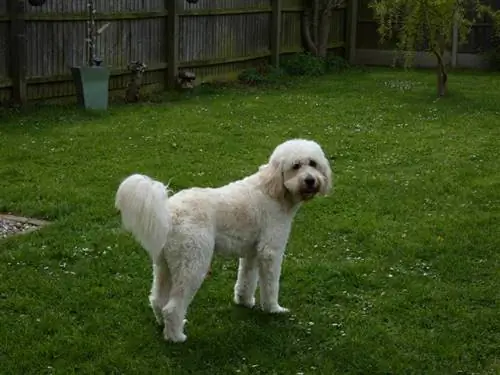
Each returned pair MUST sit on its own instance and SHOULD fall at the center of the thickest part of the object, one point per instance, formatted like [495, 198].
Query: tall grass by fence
[215, 38]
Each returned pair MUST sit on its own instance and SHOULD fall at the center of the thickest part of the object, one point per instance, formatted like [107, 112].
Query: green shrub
[300, 64]
[251, 76]
[494, 54]
[336, 63]
[261, 75]
[304, 64]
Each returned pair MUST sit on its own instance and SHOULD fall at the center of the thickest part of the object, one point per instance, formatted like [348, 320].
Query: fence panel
[4, 52]
[223, 38]
[291, 36]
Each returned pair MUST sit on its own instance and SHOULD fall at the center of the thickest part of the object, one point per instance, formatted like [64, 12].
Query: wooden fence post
[276, 32]
[454, 43]
[172, 43]
[17, 49]
[352, 27]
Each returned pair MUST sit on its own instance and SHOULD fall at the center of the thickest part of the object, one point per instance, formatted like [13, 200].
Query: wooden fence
[214, 38]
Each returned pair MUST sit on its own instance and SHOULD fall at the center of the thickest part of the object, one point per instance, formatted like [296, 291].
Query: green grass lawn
[397, 272]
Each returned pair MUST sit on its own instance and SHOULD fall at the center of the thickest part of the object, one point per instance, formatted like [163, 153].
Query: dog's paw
[170, 336]
[276, 309]
[176, 339]
[245, 302]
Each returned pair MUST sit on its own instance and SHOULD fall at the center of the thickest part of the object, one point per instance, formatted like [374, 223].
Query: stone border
[36, 223]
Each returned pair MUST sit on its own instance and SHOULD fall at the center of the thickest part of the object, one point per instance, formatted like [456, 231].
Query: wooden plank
[106, 16]
[275, 32]
[222, 11]
[48, 17]
[172, 43]
[332, 45]
[220, 61]
[352, 26]
[68, 17]
[18, 51]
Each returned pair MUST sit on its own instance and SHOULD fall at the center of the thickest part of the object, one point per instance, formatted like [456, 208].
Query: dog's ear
[326, 186]
[272, 179]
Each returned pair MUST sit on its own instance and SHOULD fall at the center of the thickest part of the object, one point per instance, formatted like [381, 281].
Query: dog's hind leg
[188, 273]
[160, 289]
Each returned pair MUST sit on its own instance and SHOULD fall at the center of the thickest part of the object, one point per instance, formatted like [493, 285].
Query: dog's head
[297, 171]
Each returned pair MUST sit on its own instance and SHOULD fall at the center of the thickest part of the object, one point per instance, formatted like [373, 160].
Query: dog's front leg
[246, 284]
[269, 261]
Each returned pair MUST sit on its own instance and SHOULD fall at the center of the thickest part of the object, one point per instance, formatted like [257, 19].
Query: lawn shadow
[250, 340]
[52, 116]
[241, 333]
[46, 117]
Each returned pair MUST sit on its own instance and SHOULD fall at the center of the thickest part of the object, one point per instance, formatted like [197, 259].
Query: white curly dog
[250, 219]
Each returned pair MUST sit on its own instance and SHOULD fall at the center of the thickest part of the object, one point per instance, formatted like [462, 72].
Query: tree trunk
[306, 33]
[324, 32]
[442, 82]
[316, 21]
[442, 76]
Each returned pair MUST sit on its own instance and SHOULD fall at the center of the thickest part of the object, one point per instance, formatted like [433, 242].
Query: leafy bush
[304, 64]
[261, 75]
[493, 55]
[251, 76]
[336, 63]
[300, 64]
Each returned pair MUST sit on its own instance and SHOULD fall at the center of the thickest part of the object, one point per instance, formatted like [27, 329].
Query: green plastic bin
[92, 86]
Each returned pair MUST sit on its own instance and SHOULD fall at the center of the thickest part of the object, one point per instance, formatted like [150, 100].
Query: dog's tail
[142, 203]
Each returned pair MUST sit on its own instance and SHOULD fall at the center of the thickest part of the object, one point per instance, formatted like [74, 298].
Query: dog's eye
[296, 166]
[313, 164]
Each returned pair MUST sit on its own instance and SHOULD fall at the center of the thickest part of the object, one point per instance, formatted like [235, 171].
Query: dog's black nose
[310, 181]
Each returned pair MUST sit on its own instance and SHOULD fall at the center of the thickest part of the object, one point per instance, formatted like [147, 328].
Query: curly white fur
[250, 219]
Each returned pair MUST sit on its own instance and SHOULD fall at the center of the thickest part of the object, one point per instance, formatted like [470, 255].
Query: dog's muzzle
[310, 187]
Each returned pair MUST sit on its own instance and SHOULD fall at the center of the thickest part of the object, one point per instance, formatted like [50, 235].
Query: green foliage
[422, 24]
[493, 55]
[335, 63]
[251, 76]
[261, 75]
[304, 64]
[300, 64]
